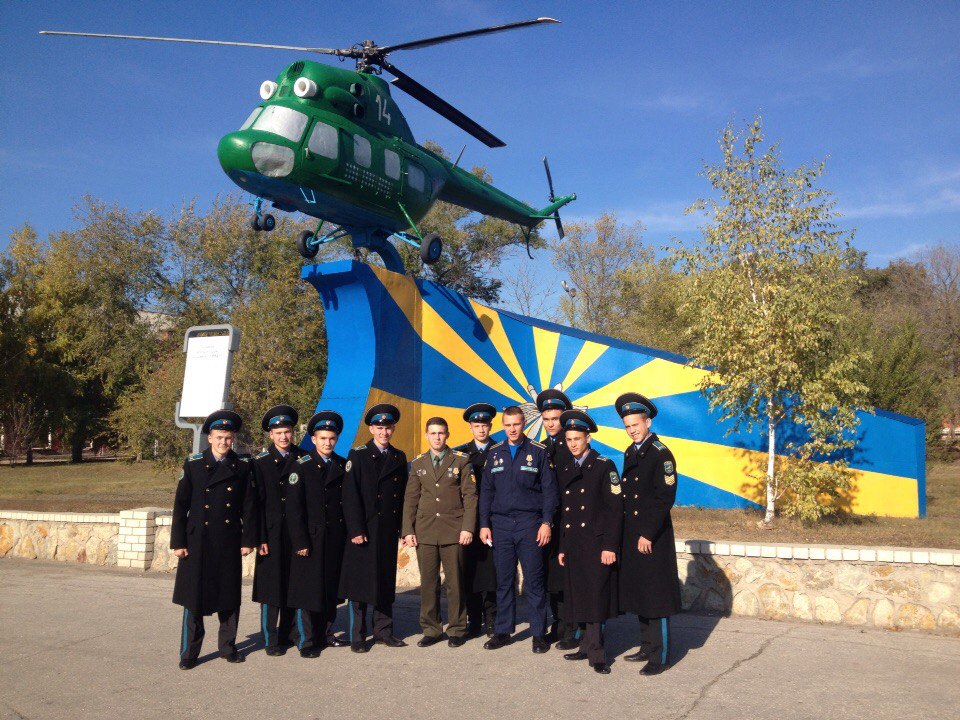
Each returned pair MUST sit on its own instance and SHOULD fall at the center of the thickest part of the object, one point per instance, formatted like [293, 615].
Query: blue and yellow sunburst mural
[431, 351]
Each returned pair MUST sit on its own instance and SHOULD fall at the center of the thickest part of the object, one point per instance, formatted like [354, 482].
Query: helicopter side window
[416, 177]
[361, 151]
[282, 121]
[323, 140]
[391, 164]
[250, 118]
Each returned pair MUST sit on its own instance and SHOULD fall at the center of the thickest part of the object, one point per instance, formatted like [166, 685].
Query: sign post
[206, 379]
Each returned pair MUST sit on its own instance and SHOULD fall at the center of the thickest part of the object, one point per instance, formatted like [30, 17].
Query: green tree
[593, 257]
[771, 284]
[650, 305]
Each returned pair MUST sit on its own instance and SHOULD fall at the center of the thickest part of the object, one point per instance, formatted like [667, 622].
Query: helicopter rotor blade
[546, 166]
[441, 106]
[426, 42]
[323, 51]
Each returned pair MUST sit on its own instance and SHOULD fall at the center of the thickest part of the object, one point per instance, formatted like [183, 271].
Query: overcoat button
[229, 489]
[438, 514]
[228, 504]
[206, 522]
[582, 490]
[568, 492]
[227, 521]
[206, 507]
[636, 512]
[566, 509]
[567, 526]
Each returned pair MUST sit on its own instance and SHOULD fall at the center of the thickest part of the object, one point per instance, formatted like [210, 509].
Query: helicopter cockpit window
[416, 177]
[361, 151]
[282, 121]
[391, 164]
[253, 116]
[323, 140]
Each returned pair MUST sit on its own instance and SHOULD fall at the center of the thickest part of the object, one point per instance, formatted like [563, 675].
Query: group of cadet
[591, 544]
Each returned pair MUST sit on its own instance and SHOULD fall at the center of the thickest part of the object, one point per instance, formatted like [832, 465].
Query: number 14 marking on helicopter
[382, 109]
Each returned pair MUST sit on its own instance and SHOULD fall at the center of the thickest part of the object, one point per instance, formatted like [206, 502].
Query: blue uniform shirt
[518, 483]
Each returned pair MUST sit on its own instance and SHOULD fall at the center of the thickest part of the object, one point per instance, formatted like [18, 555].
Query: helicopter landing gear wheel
[304, 247]
[430, 248]
[255, 224]
[268, 222]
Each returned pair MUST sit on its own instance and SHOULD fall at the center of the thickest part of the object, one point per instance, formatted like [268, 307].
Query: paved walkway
[87, 642]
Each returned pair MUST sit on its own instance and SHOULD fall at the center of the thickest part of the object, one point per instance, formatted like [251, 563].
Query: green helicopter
[332, 143]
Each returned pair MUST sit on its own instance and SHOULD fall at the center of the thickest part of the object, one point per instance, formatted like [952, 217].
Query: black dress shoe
[568, 644]
[274, 651]
[188, 664]
[540, 645]
[428, 640]
[490, 632]
[234, 657]
[638, 656]
[334, 641]
[497, 641]
[575, 656]
[310, 653]
[390, 641]
[652, 668]
[456, 641]
[359, 647]
[602, 668]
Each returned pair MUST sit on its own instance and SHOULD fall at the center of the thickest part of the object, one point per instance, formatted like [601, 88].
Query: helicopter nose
[234, 152]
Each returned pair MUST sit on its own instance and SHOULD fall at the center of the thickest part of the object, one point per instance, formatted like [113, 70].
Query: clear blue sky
[626, 99]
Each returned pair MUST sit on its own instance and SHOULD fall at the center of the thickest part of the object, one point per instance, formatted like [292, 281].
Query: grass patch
[121, 485]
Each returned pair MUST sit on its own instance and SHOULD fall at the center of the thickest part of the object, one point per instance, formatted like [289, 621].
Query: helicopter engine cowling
[305, 88]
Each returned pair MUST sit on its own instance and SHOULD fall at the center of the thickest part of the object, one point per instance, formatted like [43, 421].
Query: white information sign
[205, 378]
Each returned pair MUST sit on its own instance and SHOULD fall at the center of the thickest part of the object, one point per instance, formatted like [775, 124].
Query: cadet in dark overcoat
[649, 584]
[214, 525]
[592, 502]
[551, 403]
[373, 489]
[315, 577]
[480, 572]
[283, 528]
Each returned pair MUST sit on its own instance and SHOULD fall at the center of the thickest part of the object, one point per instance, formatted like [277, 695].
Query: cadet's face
[637, 427]
[577, 442]
[325, 441]
[513, 426]
[282, 437]
[382, 433]
[437, 437]
[220, 441]
[551, 421]
[481, 431]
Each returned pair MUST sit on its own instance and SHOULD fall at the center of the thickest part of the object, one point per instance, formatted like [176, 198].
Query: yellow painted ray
[545, 343]
[654, 379]
[589, 353]
[437, 333]
[405, 436]
[498, 336]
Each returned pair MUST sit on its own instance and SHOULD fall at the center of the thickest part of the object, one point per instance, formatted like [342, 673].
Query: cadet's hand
[181, 552]
[560, 559]
[486, 537]
[304, 552]
[410, 540]
[264, 549]
[543, 535]
[246, 551]
[466, 537]
[606, 557]
[644, 546]
[359, 540]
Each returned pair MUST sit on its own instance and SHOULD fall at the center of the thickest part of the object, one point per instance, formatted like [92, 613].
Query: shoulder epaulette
[303, 458]
[198, 456]
[539, 445]
[602, 457]
[423, 454]
[659, 445]
[359, 447]
[460, 454]
[244, 459]
[260, 455]
[497, 445]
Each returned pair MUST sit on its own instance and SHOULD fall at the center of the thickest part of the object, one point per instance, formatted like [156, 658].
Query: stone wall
[894, 588]
[70, 537]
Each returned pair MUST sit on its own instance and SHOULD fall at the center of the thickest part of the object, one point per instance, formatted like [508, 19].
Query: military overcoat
[479, 573]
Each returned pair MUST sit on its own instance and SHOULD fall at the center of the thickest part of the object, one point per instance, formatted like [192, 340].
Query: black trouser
[563, 629]
[382, 621]
[276, 624]
[191, 635]
[481, 609]
[310, 629]
[591, 643]
[655, 639]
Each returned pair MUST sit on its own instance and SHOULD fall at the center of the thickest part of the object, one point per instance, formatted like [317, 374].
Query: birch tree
[771, 284]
